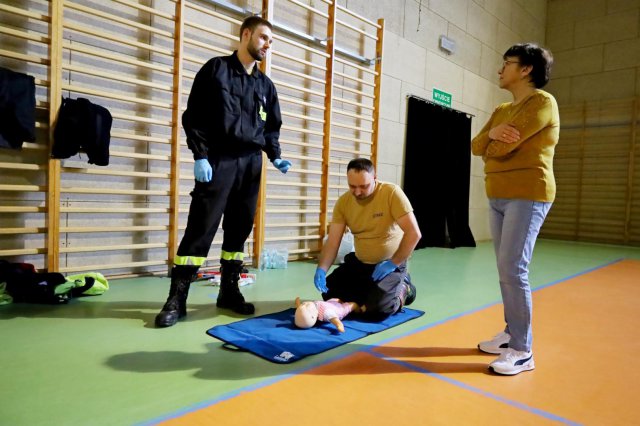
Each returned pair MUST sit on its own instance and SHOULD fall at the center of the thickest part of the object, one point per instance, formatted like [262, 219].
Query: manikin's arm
[336, 321]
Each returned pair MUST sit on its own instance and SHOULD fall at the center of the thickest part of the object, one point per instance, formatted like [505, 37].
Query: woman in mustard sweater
[517, 145]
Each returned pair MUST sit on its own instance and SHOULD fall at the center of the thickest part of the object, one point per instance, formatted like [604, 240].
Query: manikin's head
[306, 314]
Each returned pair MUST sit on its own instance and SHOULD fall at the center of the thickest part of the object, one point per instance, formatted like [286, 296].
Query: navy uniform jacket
[230, 112]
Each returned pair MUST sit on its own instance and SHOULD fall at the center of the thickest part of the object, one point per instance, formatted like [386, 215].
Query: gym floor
[100, 360]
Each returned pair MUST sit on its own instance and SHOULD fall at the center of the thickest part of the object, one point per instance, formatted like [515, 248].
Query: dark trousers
[352, 282]
[233, 191]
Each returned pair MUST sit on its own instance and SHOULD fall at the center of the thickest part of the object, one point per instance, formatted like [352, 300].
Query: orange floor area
[587, 333]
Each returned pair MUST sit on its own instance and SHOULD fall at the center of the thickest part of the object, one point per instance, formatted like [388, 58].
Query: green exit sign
[442, 98]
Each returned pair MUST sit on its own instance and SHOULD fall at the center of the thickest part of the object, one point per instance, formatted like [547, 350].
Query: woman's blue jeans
[515, 225]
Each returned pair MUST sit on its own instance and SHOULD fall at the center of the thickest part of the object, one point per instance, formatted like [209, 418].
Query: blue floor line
[271, 381]
[478, 391]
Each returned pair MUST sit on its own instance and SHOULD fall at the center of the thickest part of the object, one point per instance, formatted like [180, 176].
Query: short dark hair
[253, 22]
[539, 58]
[361, 165]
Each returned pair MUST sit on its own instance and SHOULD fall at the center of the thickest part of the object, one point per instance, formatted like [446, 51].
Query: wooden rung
[125, 265]
[305, 171]
[208, 47]
[144, 138]
[359, 80]
[104, 35]
[115, 18]
[147, 9]
[104, 94]
[347, 101]
[296, 184]
[355, 15]
[298, 88]
[303, 117]
[23, 188]
[92, 229]
[310, 9]
[27, 14]
[30, 230]
[301, 130]
[292, 225]
[110, 210]
[363, 69]
[298, 60]
[303, 157]
[116, 76]
[139, 156]
[294, 197]
[211, 31]
[351, 151]
[357, 92]
[112, 248]
[23, 166]
[352, 127]
[292, 237]
[298, 74]
[303, 103]
[22, 209]
[138, 119]
[346, 138]
[358, 30]
[303, 144]
[352, 115]
[93, 51]
[114, 191]
[210, 12]
[26, 58]
[300, 45]
[292, 211]
[110, 172]
[26, 35]
[22, 252]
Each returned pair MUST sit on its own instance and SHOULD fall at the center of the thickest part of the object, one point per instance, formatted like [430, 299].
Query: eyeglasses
[505, 63]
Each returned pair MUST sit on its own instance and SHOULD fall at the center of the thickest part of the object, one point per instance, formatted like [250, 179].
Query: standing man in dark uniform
[232, 116]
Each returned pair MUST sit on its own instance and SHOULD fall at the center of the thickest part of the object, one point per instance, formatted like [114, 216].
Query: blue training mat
[275, 338]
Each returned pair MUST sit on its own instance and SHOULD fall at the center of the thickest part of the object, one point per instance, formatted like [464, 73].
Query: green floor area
[100, 361]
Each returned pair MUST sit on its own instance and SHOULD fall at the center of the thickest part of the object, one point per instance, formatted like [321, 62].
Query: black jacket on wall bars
[84, 125]
[437, 173]
[17, 109]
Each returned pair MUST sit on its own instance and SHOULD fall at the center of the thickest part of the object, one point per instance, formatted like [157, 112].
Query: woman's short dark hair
[253, 22]
[539, 58]
[361, 165]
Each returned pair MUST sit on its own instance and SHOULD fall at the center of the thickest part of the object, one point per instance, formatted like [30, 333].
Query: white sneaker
[497, 345]
[512, 362]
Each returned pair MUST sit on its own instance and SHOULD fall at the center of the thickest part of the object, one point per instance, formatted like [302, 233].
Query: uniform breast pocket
[230, 99]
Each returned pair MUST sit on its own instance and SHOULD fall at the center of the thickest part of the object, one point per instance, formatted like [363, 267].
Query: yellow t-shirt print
[263, 114]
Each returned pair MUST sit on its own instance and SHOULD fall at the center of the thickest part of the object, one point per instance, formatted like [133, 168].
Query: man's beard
[255, 53]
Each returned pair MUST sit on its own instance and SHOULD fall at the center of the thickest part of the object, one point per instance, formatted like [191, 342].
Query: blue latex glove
[202, 170]
[320, 280]
[383, 269]
[282, 165]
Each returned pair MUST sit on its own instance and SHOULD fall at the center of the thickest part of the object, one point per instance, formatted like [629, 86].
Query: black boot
[176, 305]
[229, 296]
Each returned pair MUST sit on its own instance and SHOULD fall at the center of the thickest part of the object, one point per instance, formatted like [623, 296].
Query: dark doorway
[437, 173]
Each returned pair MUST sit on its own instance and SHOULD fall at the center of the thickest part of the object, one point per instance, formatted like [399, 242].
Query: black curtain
[437, 173]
